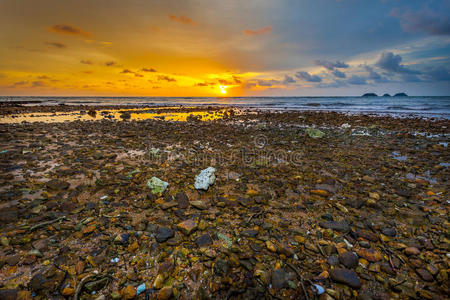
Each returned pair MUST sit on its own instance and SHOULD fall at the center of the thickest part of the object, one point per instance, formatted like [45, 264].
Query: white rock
[205, 179]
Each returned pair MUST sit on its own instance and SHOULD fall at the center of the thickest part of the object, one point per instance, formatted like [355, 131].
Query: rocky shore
[303, 205]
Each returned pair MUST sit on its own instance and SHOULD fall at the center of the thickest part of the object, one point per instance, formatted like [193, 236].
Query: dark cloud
[56, 45]
[126, 71]
[374, 75]
[237, 80]
[19, 83]
[308, 77]
[224, 82]
[425, 20]
[148, 70]
[265, 30]
[69, 29]
[38, 83]
[202, 84]
[357, 80]
[182, 19]
[86, 62]
[438, 73]
[331, 65]
[166, 78]
[110, 63]
[390, 62]
[288, 79]
[43, 77]
[339, 74]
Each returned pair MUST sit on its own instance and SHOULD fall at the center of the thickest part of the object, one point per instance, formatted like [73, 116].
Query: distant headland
[385, 95]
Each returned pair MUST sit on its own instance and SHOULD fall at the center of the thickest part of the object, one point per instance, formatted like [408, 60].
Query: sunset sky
[224, 48]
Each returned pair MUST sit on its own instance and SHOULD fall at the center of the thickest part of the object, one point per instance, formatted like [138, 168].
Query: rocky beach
[221, 203]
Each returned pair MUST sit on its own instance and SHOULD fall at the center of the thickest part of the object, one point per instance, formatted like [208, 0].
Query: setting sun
[223, 89]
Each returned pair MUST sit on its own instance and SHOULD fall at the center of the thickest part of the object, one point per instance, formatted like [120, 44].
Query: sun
[223, 89]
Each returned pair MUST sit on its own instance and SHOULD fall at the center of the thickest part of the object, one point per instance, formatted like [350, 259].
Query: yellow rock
[271, 246]
[128, 292]
[322, 193]
[133, 247]
[252, 193]
[375, 196]
[430, 193]
[68, 291]
[24, 295]
[299, 239]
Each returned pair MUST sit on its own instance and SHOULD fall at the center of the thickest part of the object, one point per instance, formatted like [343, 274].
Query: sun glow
[223, 89]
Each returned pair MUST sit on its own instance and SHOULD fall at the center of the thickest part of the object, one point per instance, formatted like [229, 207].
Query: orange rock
[68, 291]
[133, 247]
[79, 267]
[430, 193]
[322, 193]
[24, 295]
[371, 255]
[89, 229]
[128, 292]
[252, 193]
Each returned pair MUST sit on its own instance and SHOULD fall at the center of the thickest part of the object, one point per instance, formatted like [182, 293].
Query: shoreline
[354, 204]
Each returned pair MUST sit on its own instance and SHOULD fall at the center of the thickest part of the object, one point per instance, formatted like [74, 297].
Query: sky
[224, 48]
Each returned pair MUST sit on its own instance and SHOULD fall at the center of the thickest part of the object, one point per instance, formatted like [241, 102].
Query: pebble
[163, 234]
[348, 259]
[345, 276]
[187, 226]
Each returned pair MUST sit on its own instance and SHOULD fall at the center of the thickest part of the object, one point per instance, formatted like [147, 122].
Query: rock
[341, 226]
[122, 238]
[371, 255]
[271, 246]
[205, 179]
[314, 133]
[24, 295]
[412, 251]
[204, 240]
[375, 196]
[8, 294]
[425, 275]
[369, 95]
[163, 234]
[400, 95]
[68, 291]
[12, 260]
[187, 226]
[157, 185]
[57, 185]
[128, 292]
[167, 205]
[348, 259]
[182, 200]
[322, 193]
[279, 279]
[389, 231]
[37, 282]
[165, 293]
[368, 235]
[221, 267]
[345, 276]
[333, 260]
[199, 204]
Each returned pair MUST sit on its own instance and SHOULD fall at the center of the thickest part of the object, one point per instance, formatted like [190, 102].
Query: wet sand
[357, 208]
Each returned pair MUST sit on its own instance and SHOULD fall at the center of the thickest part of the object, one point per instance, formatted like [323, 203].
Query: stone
[348, 259]
[182, 200]
[204, 241]
[314, 133]
[388, 231]
[279, 279]
[57, 185]
[157, 185]
[128, 292]
[198, 204]
[68, 291]
[340, 226]
[165, 293]
[271, 246]
[206, 178]
[425, 275]
[371, 255]
[345, 276]
[8, 294]
[163, 234]
[412, 251]
[187, 226]
[24, 295]
[368, 235]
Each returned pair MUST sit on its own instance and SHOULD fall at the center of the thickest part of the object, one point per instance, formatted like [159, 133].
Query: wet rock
[340, 226]
[122, 238]
[199, 204]
[249, 233]
[57, 185]
[314, 133]
[165, 293]
[8, 294]
[128, 292]
[204, 240]
[163, 234]
[187, 226]
[388, 231]
[348, 259]
[425, 275]
[279, 279]
[182, 200]
[345, 276]
[221, 267]
[412, 251]
[371, 255]
[37, 282]
[368, 235]
[205, 179]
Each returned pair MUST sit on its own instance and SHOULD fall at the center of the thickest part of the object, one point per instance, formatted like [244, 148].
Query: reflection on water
[117, 114]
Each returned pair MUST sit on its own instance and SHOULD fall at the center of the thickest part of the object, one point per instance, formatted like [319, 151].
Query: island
[386, 95]
[400, 95]
[369, 95]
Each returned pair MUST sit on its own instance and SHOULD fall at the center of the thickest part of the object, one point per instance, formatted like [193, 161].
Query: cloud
[357, 80]
[148, 70]
[288, 79]
[38, 83]
[339, 74]
[237, 79]
[224, 82]
[126, 71]
[307, 77]
[390, 62]
[182, 19]
[265, 30]
[86, 62]
[425, 20]
[69, 29]
[110, 63]
[166, 78]
[43, 77]
[202, 84]
[374, 75]
[438, 73]
[19, 83]
[331, 65]
[56, 44]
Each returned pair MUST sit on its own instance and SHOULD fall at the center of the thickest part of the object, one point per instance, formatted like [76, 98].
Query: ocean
[424, 106]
